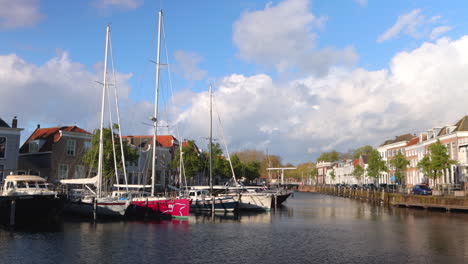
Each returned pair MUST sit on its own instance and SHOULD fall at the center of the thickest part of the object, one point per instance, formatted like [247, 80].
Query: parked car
[422, 189]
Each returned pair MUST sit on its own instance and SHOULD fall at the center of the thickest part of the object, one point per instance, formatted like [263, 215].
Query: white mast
[155, 117]
[101, 141]
[211, 142]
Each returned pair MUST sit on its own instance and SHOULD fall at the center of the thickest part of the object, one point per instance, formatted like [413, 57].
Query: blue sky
[299, 51]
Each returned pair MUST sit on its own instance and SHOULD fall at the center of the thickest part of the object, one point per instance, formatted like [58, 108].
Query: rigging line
[112, 136]
[172, 98]
[116, 98]
[224, 141]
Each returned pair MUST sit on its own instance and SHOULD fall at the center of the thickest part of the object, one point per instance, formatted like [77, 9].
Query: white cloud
[413, 24]
[421, 88]
[19, 13]
[282, 36]
[438, 31]
[119, 4]
[187, 64]
[361, 2]
[61, 92]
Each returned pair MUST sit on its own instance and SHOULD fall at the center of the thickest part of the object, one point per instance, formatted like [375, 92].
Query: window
[34, 146]
[2, 147]
[71, 147]
[87, 145]
[1, 172]
[79, 172]
[63, 171]
[34, 172]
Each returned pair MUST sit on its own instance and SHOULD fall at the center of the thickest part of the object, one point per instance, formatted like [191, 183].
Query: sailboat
[97, 203]
[202, 199]
[159, 206]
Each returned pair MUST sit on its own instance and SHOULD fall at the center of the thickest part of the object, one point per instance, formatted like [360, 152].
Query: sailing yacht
[159, 206]
[204, 199]
[97, 203]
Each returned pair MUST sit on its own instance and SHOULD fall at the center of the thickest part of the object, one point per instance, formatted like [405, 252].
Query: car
[422, 189]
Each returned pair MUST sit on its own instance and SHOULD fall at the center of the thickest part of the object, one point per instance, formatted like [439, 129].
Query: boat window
[10, 185]
[21, 184]
[42, 185]
[198, 193]
[32, 184]
[191, 194]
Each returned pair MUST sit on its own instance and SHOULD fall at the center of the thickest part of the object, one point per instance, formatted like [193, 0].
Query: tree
[332, 174]
[425, 165]
[358, 172]
[191, 158]
[108, 169]
[329, 156]
[247, 170]
[364, 150]
[399, 163]
[269, 161]
[375, 165]
[436, 161]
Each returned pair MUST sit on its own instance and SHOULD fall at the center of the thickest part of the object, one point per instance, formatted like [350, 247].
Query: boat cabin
[198, 194]
[25, 185]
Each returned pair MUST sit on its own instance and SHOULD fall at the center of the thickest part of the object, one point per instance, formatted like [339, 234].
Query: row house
[55, 153]
[387, 151]
[9, 145]
[455, 139]
[322, 169]
[343, 171]
[140, 172]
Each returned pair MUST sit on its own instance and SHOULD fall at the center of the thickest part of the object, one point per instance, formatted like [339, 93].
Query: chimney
[38, 126]
[14, 123]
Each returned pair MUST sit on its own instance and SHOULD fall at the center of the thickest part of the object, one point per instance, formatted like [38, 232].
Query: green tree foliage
[358, 172]
[425, 165]
[220, 163]
[91, 156]
[436, 162]
[399, 163]
[329, 156]
[365, 150]
[245, 170]
[375, 165]
[193, 163]
[332, 174]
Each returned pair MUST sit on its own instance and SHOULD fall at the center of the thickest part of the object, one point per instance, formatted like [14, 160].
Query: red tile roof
[166, 141]
[412, 142]
[50, 135]
[356, 162]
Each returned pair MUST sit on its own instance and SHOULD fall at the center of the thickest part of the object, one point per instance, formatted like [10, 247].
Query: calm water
[310, 228]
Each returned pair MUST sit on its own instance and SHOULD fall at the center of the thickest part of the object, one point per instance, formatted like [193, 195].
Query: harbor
[308, 228]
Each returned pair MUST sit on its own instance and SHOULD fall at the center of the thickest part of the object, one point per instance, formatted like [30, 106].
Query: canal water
[309, 228]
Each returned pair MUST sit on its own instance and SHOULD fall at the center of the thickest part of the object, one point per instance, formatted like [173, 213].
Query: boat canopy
[92, 180]
[24, 178]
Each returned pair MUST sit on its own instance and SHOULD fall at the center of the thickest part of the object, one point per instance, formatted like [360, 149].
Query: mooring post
[95, 209]
[12, 212]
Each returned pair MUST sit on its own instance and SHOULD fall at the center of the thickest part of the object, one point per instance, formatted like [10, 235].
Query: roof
[412, 142]
[404, 137]
[166, 141]
[24, 178]
[3, 123]
[462, 124]
[50, 135]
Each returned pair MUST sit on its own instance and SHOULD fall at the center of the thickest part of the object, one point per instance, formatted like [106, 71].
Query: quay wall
[394, 199]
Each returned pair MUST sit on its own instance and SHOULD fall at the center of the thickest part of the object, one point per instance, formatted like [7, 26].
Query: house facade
[55, 153]
[9, 145]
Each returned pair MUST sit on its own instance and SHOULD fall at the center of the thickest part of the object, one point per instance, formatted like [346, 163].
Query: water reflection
[308, 228]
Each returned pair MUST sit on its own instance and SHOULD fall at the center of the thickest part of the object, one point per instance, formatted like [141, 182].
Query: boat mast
[211, 141]
[101, 134]
[155, 117]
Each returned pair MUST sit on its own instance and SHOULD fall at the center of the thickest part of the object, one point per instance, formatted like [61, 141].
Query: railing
[448, 189]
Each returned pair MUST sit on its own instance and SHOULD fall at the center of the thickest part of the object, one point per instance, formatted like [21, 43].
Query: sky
[293, 78]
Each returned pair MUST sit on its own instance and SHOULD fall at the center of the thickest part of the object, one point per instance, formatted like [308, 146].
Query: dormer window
[34, 146]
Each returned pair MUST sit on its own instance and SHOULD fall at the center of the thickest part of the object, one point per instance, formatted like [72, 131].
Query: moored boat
[28, 198]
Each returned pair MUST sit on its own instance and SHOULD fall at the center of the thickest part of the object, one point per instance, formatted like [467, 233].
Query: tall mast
[211, 140]
[155, 117]
[101, 141]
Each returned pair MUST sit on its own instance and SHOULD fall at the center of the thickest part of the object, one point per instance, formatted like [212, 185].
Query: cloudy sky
[291, 77]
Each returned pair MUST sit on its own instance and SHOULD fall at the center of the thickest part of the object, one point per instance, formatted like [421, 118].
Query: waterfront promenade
[394, 199]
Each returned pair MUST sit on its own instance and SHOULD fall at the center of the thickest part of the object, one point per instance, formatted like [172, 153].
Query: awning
[80, 181]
